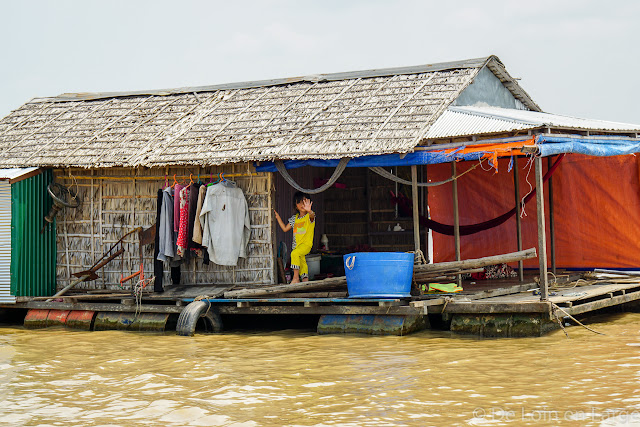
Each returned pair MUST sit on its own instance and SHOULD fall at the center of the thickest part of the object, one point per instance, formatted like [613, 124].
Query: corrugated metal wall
[5, 243]
[33, 255]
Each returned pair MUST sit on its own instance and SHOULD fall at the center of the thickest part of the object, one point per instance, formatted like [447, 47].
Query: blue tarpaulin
[551, 145]
[417, 158]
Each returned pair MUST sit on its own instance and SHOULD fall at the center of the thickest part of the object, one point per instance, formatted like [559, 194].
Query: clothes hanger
[212, 182]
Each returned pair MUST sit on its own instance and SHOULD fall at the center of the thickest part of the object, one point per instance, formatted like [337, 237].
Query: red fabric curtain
[596, 211]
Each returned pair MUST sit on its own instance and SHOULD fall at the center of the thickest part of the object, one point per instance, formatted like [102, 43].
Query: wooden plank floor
[514, 296]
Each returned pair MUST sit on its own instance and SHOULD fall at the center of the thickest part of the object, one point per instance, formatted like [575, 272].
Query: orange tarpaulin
[493, 151]
[596, 211]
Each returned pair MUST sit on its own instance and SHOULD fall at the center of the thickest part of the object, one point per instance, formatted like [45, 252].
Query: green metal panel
[33, 254]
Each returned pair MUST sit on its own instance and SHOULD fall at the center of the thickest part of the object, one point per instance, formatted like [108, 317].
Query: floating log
[319, 294]
[475, 263]
[443, 275]
[312, 285]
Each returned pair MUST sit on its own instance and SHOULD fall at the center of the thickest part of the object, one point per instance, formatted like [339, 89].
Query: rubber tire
[188, 319]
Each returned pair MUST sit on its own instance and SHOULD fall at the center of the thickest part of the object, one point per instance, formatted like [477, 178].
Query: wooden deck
[479, 300]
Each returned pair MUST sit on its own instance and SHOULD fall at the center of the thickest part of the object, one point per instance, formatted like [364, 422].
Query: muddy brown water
[57, 377]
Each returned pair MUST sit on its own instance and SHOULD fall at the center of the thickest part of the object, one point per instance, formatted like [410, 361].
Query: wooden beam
[516, 185]
[476, 262]
[405, 310]
[369, 213]
[552, 228]
[416, 212]
[603, 303]
[311, 285]
[456, 217]
[542, 237]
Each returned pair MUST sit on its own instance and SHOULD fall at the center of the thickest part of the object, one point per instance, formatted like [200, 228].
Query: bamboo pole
[306, 286]
[416, 213]
[552, 227]
[477, 262]
[516, 185]
[542, 237]
[456, 217]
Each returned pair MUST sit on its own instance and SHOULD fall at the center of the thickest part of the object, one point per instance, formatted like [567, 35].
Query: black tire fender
[192, 313]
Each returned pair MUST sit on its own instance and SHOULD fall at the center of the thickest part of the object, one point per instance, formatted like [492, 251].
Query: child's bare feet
[306, 279]
[294, 281]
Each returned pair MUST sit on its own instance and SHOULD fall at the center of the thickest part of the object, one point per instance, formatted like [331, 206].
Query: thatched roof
[324, 116]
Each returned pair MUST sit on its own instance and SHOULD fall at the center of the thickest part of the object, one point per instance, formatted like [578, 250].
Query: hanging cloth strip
[407, 207]
[386, 174]
[334, 177]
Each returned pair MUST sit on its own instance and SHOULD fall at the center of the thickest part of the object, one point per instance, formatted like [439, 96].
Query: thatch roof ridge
[327, 116]
[312, 78]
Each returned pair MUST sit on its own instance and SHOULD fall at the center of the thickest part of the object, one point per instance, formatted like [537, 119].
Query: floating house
[425, 158]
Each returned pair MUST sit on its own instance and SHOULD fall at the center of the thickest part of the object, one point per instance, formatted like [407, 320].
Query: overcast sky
[579, 58]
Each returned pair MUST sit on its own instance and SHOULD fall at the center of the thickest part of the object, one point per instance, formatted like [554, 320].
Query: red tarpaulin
[596, 211]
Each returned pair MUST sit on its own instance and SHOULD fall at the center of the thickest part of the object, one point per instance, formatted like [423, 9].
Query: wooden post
[369, 214]
[552, 228]
[425, 210]
[456, 217]
[542, 237]
[416, 212]
[516, 185]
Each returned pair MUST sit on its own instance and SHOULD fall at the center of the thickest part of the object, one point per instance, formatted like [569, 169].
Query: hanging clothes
[158, 265]
[197, 226]
[226, 223]
[193, 247]
[166, 242]
[176, 207]
[183, 228]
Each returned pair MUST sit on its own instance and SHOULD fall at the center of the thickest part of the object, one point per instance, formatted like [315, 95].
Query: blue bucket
[379, 274]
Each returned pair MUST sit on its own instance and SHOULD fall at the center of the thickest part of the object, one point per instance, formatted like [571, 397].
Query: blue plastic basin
[379, 274]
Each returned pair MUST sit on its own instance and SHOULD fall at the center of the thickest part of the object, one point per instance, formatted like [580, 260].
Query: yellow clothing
[303, 230]
[299, 261]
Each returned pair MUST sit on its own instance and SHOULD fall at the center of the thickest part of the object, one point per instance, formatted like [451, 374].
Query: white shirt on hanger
[226, 226]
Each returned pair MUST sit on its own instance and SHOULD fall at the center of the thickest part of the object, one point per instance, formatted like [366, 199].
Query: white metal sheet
[459, 121]
[5, 242]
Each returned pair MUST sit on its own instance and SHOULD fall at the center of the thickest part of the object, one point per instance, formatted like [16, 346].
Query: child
[303, 224]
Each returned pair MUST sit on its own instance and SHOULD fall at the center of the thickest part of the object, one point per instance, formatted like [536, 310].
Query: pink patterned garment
[183, 229]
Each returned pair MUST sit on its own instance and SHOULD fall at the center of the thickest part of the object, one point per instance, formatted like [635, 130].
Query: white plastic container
[313, 262]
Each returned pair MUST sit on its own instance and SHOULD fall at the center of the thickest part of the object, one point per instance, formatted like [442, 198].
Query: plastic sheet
[596, 211]
[550, 145]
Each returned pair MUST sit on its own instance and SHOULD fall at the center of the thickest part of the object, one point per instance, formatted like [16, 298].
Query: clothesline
[161, 178]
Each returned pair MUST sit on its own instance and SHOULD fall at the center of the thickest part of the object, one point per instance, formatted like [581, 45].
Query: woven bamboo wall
[111, 207]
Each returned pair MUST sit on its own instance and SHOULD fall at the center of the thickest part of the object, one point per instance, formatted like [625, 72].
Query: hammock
[406, 207]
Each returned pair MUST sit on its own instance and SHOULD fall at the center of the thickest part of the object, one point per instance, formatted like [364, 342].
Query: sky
[577, 58]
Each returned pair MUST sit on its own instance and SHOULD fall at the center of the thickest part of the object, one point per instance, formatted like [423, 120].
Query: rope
[336, 174]
[137, 293]
[418, 257]
[405, 204]
[559, 320]
[523, 202]
[386, 174]
[204, 297]
[554, 307]
[73, 195]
